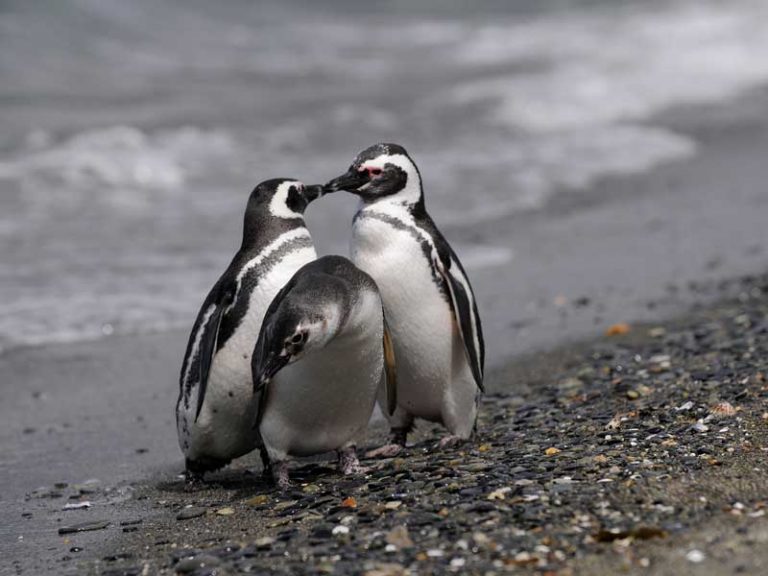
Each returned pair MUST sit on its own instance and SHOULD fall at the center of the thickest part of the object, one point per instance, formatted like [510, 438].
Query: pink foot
[348, 462]
[450, 441]
[280, 475]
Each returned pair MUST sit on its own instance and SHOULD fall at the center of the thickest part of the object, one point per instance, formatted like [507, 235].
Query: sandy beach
[93, 422]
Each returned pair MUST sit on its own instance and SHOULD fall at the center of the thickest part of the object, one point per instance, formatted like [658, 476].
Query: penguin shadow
[310, 477]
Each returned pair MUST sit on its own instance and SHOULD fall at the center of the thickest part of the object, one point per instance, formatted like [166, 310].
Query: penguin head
[283, 197]
[381, 171]
[289, 334]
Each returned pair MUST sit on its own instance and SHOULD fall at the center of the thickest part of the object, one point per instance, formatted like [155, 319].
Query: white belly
[325, 400]
[224, 429]
[418, 316]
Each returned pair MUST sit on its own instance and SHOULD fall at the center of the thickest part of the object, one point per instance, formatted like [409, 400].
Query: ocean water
[132, 133]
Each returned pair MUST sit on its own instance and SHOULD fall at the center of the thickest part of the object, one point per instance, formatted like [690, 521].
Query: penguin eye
[298, 338]
[373, 171]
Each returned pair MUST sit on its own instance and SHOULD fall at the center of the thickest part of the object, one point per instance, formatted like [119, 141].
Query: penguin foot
[193, 481]
[280, 475]
[449, 441]
[386, 451]
[348, 462]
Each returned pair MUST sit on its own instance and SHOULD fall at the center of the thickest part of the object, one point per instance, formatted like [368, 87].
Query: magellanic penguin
[429, 303]
[322, 357]
[216, 407]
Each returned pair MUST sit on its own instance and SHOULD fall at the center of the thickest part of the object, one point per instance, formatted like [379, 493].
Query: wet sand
[630, 249]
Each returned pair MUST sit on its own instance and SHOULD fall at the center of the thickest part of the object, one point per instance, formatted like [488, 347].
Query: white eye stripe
[279, 205]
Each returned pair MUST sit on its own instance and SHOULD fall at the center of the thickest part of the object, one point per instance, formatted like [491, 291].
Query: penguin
[428, 299]
[322, 358]
[215, 407]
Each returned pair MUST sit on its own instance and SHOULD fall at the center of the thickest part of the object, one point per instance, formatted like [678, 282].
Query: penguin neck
[261, 228]
[410, 199]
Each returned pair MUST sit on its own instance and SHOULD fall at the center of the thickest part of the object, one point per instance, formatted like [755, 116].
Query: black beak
[265, 364]
[351, 182]
[313, 192]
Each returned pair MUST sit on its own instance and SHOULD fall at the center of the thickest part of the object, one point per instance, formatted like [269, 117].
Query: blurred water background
[132, 132]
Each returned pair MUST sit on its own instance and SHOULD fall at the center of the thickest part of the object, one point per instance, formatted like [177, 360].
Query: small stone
[259, 500]
[700, 427]
[340, 530]
[618, 329]
[84, 527]
[570, 386]
[633, 394]
[283, 505]
[349, 502]
[723, 410]
[191, 512]
[227, 511]
[393, 504]
[399, 537]
[499, 494]
[695, 556]
[264, 543]
[552, 451]
[386, 569]
[322, 531]
[126, 571]
[195, 563]
[77, 505]
[131, 522]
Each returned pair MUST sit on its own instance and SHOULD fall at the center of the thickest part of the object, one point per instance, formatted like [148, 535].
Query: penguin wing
[205, 334]
[464, 308]
[262, 348]
[208, 346]
[390, 371]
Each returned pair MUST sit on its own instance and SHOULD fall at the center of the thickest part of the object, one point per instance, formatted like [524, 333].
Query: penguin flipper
[390, 371]
[208, 344]
[261, 349]
[465, 311]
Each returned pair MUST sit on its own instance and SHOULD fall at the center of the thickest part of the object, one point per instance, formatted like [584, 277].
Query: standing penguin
[324, 337]
[216, 407]
[431, 309]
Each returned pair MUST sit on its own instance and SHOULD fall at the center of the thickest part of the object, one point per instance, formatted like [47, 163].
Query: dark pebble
[189, 513]
[84, 527]
[127, 571]
[192, 565]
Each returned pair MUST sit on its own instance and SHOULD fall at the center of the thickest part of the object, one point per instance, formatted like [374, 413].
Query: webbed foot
[280, 475]
[349, 463]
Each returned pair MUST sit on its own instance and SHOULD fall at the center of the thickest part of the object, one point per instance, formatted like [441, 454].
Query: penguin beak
[313, 192]
[351, 182]
[264, 369]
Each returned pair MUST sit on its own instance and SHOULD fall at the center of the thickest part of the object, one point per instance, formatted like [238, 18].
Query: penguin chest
[323, 401]
[224, 428]
[417, 311]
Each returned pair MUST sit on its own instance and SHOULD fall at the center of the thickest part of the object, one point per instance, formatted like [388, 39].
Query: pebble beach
[643, 451]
